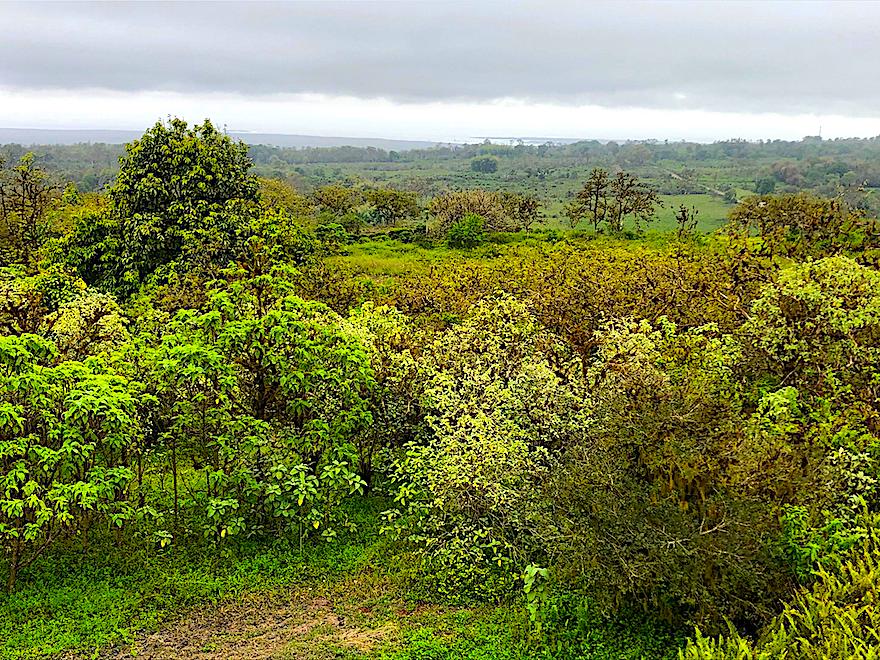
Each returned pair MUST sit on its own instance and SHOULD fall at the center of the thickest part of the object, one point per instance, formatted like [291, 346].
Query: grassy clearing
[711, 213]
[341, 600]
[80, 602]
[390, 257]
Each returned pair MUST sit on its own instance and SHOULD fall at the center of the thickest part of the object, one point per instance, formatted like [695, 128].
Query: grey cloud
[757, 56]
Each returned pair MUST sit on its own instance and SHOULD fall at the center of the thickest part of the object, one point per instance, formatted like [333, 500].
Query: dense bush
[261, 394]
[839, 617]
[67, 431]
[499, 394]
[803, 225]
[484, 164]
[500, 211]
[469, 232]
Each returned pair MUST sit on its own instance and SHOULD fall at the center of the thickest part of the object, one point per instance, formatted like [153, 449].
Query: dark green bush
[469, 232]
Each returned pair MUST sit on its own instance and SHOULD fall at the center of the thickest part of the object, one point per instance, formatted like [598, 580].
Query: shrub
[333, 236]
[484, 164]
[469, 232]
[839, 617]
[262, 394]
[66, 433]
[500, 392]
[649, 508]
[802, 225]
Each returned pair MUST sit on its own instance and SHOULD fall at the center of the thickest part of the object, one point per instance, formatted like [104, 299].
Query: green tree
[469, 232]
[495, 209]
[522, 210]
[66, 436]
[484, 164]
[392, 207]
[765, 185]
[177, 189]
[337, 200]
[263, 395]
[27, 196]
[630, 197]
[281, 194]
[592, 201]
[392, 344]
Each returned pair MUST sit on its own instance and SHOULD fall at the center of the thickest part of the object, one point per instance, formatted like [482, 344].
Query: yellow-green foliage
[90, 324]
[801, 226]
[499, 392]
[573, 288]
[838, 618]
[822, 318]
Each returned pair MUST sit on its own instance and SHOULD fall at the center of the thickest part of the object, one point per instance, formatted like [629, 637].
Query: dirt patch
[304, 629]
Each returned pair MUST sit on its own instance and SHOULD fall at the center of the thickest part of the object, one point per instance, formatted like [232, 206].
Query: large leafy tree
[178, 188]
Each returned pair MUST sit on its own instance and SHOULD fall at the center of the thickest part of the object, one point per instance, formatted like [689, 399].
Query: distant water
[513, 141]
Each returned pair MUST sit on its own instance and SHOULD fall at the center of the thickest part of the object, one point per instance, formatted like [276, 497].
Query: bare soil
[302, 627]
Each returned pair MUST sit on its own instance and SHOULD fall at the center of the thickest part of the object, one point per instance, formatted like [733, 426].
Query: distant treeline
[806, 163]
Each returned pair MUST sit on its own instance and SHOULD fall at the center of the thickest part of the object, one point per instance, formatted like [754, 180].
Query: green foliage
[65, 434]
[803, 225]
[837, 618]
[391, 344]
[494, 405]
[262, 394]
[821, 321]
[277, 194]
[573, 427]
[765, 185]
[484, 164]
[608, 201]
[469, 232]
[333, 236]
[647, 506]
[337, 200]
[500, 212]
[392, 207]
[28, 198]
[178, 189]
[28, 301]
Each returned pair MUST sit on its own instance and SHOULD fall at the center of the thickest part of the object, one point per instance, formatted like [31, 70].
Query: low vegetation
[405, 426]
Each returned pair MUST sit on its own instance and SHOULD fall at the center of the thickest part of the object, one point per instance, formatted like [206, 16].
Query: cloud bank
[788, 58]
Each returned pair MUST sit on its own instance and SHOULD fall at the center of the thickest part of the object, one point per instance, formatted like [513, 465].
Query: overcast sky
[449, 70]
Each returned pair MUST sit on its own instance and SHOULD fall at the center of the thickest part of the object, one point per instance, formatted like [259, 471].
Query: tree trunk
[13, 570]
[174, 478]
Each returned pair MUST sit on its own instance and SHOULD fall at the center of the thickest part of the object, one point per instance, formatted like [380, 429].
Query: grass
[82, 602]
[336, 600]
[390, 257]
[381, 259]
[711, 213]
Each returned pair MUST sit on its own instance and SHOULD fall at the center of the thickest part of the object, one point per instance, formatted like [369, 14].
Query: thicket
[689, 428]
